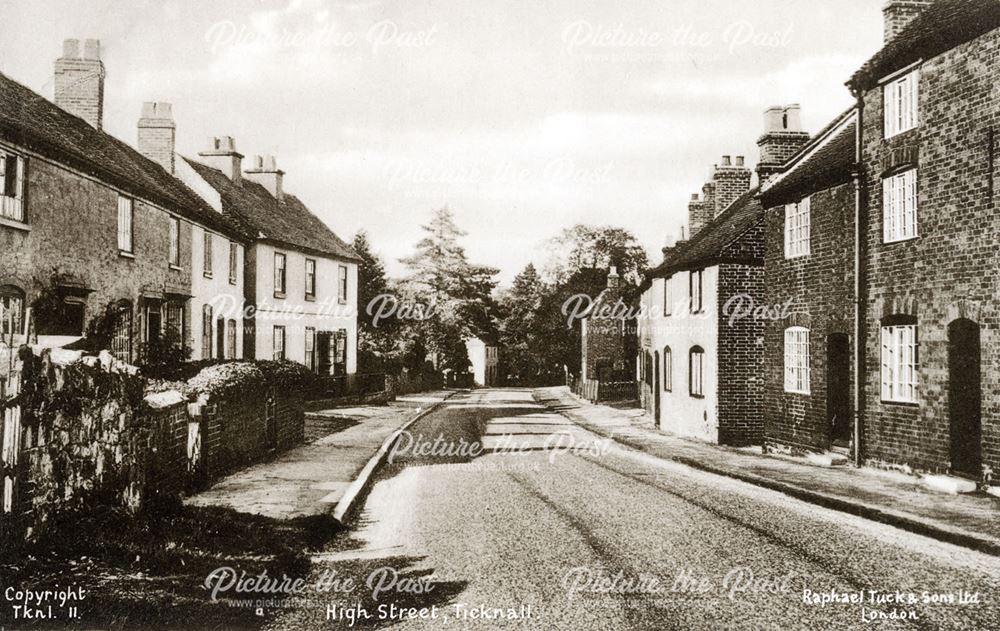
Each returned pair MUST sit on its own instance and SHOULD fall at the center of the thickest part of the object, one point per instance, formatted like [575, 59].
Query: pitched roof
[826, 161]
[709, 244]
[940, 27]
[287, 222]
[29, 120]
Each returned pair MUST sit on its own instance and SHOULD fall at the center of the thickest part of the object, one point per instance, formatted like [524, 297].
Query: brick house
[91, 231]
[930, 246]
[300, 278]
[602, 336]
[699, 369]
[809, 288]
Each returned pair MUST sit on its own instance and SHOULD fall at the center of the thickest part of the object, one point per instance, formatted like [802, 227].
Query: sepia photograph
[531, 315]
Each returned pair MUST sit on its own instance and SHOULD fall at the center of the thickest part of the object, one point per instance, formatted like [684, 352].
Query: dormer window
[899, 98]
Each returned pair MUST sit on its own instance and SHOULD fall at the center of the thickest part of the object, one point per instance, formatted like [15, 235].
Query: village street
[582, 533]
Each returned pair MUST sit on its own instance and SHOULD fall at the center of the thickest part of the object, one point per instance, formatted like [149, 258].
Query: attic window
[899, 98]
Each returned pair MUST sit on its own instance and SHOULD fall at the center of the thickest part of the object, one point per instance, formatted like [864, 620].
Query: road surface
[554, 528]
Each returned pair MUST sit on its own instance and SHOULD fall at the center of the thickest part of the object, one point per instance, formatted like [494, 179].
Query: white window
[311, 348]
[695, 290]
[279, 274]
[310, 278]
[278, 344]
[900, 99]
[175, 241]
[667, 297]
[11, 187]
[696, 368]
[899, 206]
[899, 363]
[11, 311]
[124, 224]
[797, 360]
[797, 229]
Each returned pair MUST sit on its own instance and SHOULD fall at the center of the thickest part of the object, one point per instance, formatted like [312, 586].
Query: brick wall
[818, 290]
[740, 346]
[952, 269]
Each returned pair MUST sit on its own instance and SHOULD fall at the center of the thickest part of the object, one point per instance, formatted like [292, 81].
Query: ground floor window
[696, 367]
[231, 340]
[206, 331]
[310, 358]
[797, 360]
[668, 369]
[278, 344]
[899, 362]
[11, 310]
[340, 353]
[121, 331]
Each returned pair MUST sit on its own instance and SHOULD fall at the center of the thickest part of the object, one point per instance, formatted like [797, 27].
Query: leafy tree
[377, 340]
[518, 331]
[460, 292]
[596, 247]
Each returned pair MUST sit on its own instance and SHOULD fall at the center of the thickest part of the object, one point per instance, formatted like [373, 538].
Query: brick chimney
[896, 14]
[614, 280]
[156, 134]
[731, 181]
[699, 213]
[266, 173]
[223, 156]
[79, 81]
[782, 139]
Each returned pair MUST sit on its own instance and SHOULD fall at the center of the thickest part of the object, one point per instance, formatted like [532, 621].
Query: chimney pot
[793, 119]
[92, 49]
[223, 156]
[727, 161]
[739, 161]
[694, 197]
[71, 49]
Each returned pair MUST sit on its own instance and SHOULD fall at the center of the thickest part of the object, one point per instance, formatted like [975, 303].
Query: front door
[656, 389]
[965, 398]
[838, 388]
[324, 352]
[220, 338]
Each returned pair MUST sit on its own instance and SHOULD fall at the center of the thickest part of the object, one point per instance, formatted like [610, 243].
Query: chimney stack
[699, 213]
[266, 173]
[731, 181]
[156, 134]
[896, 14]
[223, 156]
[782, 139]
[613, 279]
[79, 81]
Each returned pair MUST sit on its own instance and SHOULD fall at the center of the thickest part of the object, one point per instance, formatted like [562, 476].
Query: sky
[524, 117]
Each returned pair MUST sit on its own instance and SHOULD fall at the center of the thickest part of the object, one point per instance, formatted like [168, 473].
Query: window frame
[798, 219]
[893, 362]
[11, 293]
[234, 255]
[668, 369]
[310, 349]
[126, 204]
[174, 254]
[231, 339]
[696, 353]
[278, 354]
[699, 305]
[900, 215]
[342, 284]
[12, 207]
[310, 280]
[207, 337]
[900, 104]
[668, 308]
[797, 356]
[207, 262]
[283, 277]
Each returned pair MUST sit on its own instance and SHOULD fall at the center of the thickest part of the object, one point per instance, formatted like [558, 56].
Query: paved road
[593, 536]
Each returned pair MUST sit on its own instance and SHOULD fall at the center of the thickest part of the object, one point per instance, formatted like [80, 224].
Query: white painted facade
[221, 289]
[485, 361]
[327, 312]
[680, 330]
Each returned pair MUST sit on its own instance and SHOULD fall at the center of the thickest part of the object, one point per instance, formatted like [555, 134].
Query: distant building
[485, 359]
[602, 336]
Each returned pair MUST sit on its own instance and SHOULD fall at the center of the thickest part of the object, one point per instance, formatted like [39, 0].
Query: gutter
[859, 334]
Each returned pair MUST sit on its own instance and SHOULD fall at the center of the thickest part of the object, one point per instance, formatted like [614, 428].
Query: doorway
[838, 388]
[656, 388]
[965, 398]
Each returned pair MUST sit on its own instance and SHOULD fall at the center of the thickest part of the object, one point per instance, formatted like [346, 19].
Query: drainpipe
[859, 328]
